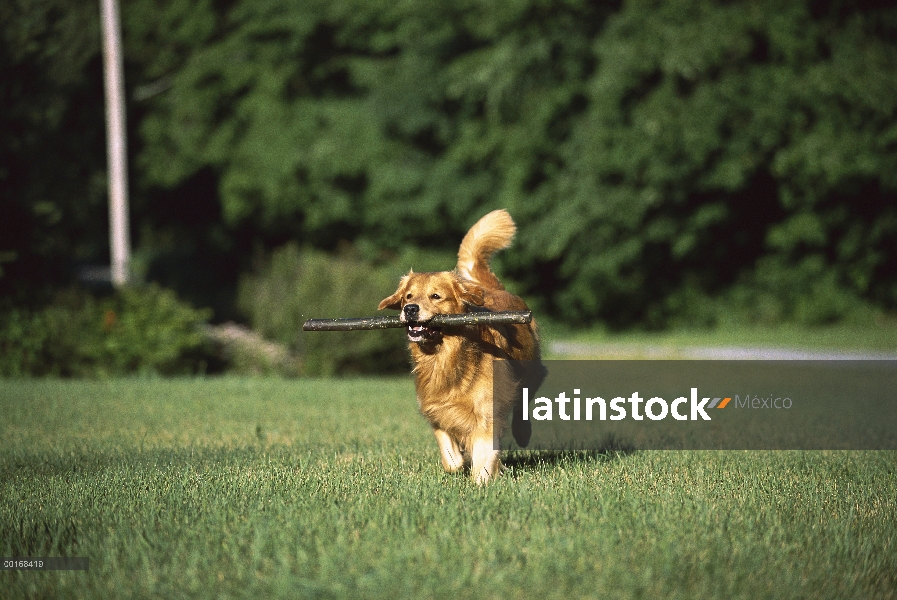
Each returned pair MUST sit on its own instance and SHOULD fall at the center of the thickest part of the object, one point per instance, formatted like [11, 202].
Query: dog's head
[422, 295]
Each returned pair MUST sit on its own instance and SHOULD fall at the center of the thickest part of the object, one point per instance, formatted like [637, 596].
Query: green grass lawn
[265, 488]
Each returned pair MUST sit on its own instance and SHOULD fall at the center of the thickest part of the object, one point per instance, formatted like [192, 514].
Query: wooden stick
[518, 317]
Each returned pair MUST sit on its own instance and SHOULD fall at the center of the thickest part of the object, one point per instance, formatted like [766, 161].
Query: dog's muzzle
[417, 331]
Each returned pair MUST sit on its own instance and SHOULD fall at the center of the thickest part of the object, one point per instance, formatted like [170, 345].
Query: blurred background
[672, 166]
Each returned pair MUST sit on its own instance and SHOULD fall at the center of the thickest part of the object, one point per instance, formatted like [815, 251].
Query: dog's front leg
[452, 460]
[486, 465]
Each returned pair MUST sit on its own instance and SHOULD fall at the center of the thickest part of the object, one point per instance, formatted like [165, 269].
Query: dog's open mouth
[418, 332]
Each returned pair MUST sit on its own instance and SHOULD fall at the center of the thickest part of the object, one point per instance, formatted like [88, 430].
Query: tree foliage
[52, 203]
[685, 161]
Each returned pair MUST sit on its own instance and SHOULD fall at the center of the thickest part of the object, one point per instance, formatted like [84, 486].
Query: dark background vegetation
[668, 163]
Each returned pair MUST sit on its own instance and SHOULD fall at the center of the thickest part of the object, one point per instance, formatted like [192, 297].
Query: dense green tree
[667, 162]
[52, 186]
[746, 147]
[663, 158]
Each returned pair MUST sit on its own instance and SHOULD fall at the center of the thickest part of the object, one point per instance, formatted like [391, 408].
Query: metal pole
[116, 145]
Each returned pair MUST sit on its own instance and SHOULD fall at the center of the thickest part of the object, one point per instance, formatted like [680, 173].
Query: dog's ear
[394, 302]
[470, 293]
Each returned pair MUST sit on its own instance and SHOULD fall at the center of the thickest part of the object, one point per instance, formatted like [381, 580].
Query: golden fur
[453, 366]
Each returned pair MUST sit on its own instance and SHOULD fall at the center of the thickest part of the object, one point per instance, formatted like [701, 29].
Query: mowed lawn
[266, 488]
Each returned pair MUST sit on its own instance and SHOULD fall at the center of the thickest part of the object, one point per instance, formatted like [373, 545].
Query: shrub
[809, 294]
[142, 330]
[295, 284]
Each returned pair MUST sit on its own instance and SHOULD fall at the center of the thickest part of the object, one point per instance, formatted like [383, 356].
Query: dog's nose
[411, 311]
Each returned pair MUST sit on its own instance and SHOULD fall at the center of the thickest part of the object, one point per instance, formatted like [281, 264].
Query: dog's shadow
[519, 461]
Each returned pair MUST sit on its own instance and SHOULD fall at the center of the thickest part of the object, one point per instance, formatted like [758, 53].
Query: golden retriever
[453, 366]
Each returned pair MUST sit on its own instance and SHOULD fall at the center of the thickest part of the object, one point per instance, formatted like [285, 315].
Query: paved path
[635, 351]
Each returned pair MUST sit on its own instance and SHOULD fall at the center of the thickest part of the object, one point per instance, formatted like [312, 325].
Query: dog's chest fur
[446, 380]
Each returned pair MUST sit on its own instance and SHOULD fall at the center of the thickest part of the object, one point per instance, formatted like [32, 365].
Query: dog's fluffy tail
[490, 234]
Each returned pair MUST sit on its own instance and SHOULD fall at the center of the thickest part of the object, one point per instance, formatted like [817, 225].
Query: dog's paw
[486, 474]
[452, 468]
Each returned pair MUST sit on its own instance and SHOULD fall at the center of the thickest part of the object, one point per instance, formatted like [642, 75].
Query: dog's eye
[435, 296]
[408, 297]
